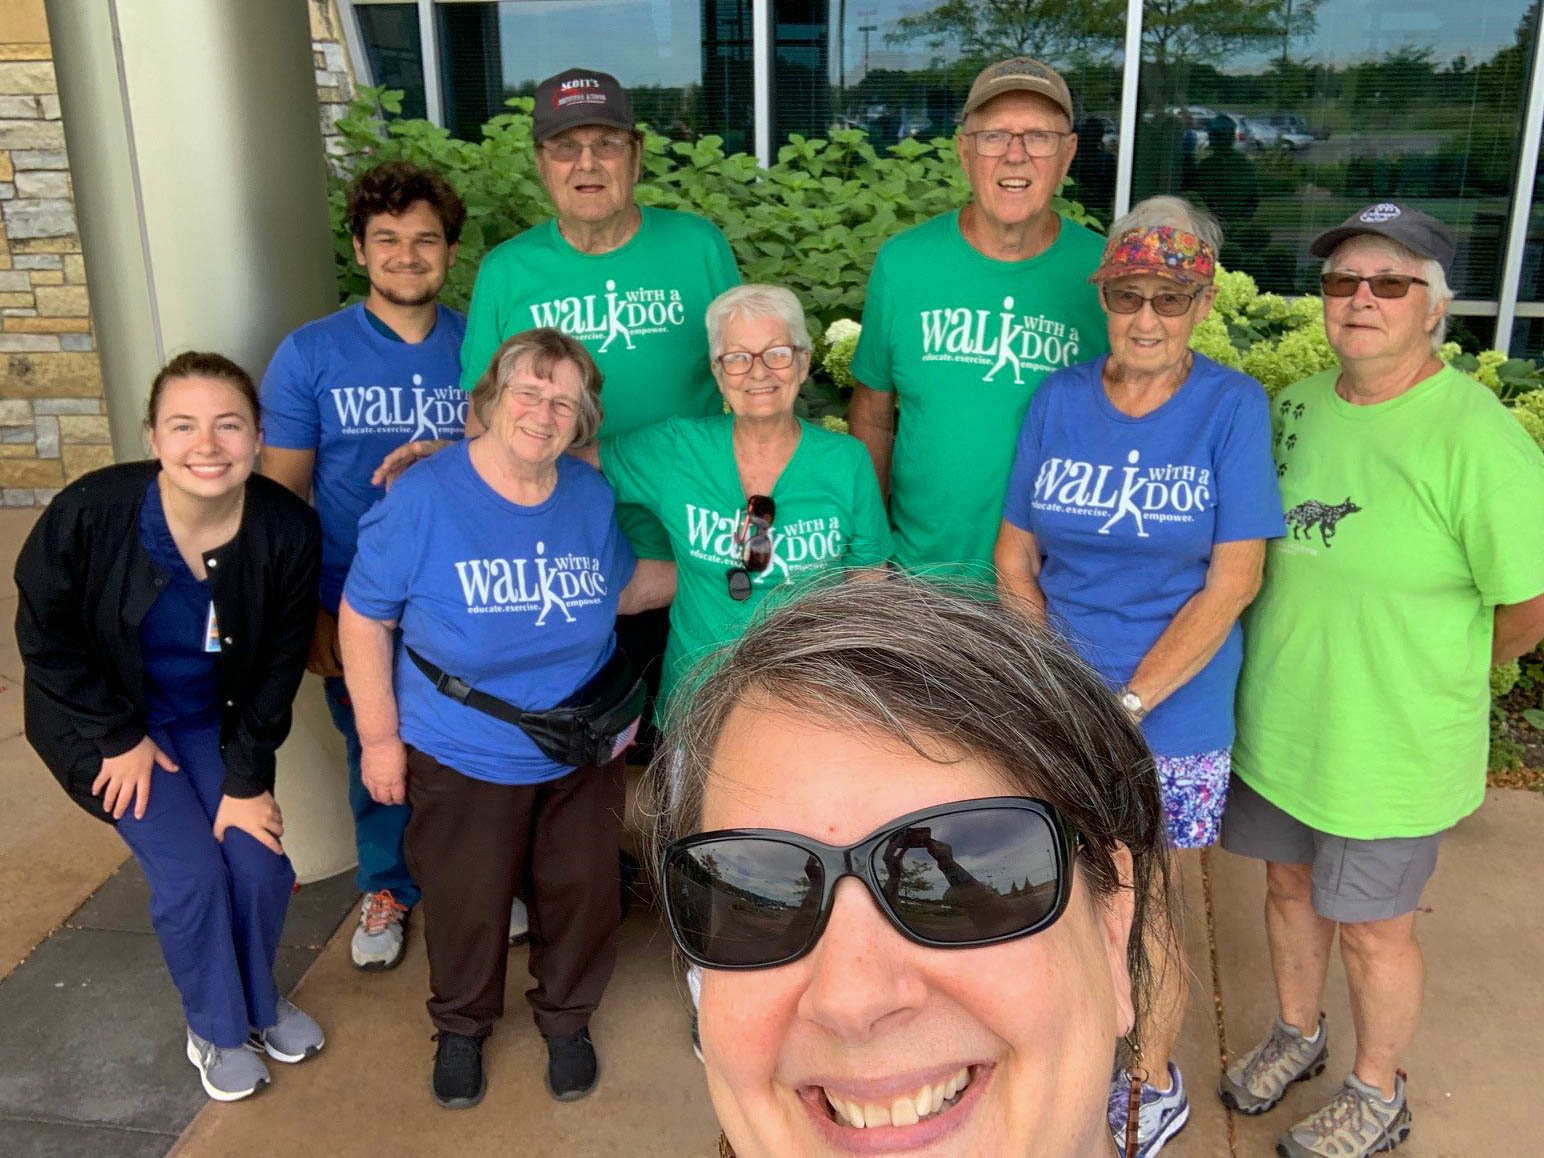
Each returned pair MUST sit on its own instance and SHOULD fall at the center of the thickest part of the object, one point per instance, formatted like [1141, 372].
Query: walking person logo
[1018, 342]
[561, 583]
[604, 318]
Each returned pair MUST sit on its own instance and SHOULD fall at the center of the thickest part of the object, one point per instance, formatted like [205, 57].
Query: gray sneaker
[1354, 1123]
[377, 943]
[293, 1038]
[1258, 1080]
[228, 1074]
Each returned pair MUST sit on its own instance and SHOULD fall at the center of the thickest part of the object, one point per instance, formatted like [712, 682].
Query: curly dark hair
[393, 187]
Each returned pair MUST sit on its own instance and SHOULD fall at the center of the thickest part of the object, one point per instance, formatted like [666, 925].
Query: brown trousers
[473, 846]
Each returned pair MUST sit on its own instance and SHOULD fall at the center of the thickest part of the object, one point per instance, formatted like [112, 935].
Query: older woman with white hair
[753, 500]
[1135, 522]
[1415, 562]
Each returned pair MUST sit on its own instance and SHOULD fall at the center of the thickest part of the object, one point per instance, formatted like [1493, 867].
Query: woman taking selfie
[913, 844]
[164, 612]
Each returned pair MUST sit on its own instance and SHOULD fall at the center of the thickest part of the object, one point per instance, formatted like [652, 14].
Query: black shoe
[571, 1065]
[458, 1082]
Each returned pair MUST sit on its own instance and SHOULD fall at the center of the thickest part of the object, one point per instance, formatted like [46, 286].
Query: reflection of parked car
[1107, 128]
[1295, 131]
[1262, 134]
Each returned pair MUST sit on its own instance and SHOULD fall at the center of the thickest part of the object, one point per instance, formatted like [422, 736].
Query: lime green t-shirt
[638, 309]
[963, 340]
[1364, 702]
[829, 514]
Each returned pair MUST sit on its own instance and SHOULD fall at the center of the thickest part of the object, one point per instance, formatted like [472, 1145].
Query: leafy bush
[813, 221]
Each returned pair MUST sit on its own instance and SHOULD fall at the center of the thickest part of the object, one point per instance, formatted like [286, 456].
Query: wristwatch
[1133, 704]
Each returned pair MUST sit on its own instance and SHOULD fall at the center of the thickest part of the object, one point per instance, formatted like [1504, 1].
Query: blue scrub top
[179, 639]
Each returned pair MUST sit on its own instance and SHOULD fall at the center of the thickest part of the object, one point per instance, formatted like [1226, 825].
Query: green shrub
[813, 221]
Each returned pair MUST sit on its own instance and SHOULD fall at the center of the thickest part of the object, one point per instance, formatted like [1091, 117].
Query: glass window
[1323, 107]
[900, 69]
[389, 33]
[1528, 330]
[659, 49]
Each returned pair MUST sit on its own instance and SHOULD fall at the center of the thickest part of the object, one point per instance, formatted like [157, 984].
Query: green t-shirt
[829, 514]
[1364, 702]
[964, 340]
[638, 309]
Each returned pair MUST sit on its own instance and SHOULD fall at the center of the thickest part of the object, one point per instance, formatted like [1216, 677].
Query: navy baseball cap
[1416, 231]
[580, 96]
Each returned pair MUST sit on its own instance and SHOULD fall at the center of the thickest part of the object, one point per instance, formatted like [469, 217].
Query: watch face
[1131, 701]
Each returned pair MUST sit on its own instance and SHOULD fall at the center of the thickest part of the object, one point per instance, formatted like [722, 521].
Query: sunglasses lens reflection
[744, 900]
[971, 876]
[739, 584]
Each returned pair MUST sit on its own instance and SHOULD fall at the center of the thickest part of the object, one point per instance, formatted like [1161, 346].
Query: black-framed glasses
[1037, 142]
[1383, 285]
[738, 362]
[954, 876]
[1166, 304]
[753, 539]
[566, 149]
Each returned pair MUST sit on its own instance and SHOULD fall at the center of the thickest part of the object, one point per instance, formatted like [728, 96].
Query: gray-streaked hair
[756, 301]
[949, 672]
[1175, 212]
[1438, 292]
[543, 348]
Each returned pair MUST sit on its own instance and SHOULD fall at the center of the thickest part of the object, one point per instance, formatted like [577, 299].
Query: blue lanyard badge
[212, 631]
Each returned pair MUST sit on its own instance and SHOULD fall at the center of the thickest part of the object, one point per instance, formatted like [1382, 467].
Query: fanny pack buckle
[449, 685]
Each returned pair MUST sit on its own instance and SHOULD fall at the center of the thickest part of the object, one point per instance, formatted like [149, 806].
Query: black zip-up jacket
[85, 584]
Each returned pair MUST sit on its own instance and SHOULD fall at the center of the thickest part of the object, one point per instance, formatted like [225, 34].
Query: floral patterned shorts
[1195, 789]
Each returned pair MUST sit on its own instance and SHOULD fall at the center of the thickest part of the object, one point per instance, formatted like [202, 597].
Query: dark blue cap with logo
[580, 96]
[1418, 232]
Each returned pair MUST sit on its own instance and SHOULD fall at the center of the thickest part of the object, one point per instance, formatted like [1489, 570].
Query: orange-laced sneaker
[382, 929]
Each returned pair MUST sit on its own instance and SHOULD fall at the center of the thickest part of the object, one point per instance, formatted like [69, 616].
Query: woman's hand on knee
[125, 778]
[257, 816]
[383, 770]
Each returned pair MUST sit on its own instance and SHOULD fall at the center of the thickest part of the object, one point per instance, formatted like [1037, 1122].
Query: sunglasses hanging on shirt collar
[753, 539]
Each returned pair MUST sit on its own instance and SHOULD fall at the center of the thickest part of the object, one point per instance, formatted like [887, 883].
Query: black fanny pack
[584, 729]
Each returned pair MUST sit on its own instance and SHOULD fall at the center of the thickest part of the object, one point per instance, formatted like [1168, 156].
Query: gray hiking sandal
[1355, 1123]
[228, 1074]
[1259, 1079]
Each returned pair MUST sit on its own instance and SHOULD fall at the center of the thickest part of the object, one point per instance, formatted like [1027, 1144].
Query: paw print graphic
[1291, 441]
[1297, 411]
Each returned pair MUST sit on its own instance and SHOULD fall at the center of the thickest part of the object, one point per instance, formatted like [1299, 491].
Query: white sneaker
[377, 943]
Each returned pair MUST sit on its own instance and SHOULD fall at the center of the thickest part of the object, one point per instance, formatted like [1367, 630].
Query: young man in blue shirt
[340, 394]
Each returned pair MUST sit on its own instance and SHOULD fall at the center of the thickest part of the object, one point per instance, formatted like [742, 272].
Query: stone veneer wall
[53, 424]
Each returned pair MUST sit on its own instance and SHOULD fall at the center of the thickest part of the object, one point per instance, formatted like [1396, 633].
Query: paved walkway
[91, 1047]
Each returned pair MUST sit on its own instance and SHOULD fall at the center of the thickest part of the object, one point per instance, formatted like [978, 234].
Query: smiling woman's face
[1014, 1042]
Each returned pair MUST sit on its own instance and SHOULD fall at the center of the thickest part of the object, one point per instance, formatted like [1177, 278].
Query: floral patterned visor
[1161, 250]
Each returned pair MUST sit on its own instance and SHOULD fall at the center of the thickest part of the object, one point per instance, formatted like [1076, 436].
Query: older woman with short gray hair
[754, 499]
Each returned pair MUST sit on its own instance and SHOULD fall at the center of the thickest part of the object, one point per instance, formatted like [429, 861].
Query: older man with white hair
[966, 314]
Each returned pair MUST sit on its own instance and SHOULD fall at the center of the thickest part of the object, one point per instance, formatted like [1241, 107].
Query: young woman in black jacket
[164, 613]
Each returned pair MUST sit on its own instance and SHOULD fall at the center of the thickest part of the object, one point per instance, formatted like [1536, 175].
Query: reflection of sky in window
[640, 42]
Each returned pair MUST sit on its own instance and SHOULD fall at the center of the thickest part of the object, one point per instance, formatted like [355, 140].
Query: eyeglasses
[566, 149]
[739, 362]
[562, 408]
[1037, 142]
[1383, 285]
[754, 540]
[1168, 304]
[955, 876]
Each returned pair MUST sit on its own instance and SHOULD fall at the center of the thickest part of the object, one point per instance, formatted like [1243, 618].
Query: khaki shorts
[1353, 880]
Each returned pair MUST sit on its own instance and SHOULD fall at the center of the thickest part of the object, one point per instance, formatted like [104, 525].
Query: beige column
[196, 157]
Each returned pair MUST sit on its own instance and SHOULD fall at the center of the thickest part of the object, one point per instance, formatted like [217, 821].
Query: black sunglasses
[955, 876]
[754, 539]
[1383, 285]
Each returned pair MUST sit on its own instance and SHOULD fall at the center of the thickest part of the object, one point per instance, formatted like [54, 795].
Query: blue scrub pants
[217, 907]
[378, 828]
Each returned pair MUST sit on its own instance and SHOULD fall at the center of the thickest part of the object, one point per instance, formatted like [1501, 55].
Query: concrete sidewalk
[91, 1031]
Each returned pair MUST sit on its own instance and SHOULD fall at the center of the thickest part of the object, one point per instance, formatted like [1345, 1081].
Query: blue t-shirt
[1125, 511]
[343, 389]
[520, 602]
[179, 639]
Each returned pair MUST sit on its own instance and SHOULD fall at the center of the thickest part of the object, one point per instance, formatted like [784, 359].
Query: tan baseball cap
[1020, 74]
